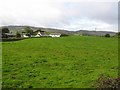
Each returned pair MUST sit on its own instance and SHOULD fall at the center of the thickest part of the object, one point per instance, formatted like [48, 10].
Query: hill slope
[52, 30]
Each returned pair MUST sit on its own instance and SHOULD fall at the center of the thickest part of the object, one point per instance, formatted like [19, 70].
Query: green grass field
[65, 62]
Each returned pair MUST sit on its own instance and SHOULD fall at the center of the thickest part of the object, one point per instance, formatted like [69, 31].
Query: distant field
[65, 62]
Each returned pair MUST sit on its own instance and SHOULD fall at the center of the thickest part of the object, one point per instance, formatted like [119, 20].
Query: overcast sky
[62, 14]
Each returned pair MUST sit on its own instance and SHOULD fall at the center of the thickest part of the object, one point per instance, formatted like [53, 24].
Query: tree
[118, 34]
[5, 30]
[107, 35]
[29, 31]
[18, 35]
[63, 35]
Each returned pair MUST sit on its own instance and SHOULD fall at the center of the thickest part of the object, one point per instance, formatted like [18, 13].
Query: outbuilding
[55, 35]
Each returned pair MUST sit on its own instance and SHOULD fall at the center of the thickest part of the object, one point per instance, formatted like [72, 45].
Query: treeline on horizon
[30, 32]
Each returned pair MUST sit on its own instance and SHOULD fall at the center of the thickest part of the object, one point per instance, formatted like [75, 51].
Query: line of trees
[116, 35]
[27, 30]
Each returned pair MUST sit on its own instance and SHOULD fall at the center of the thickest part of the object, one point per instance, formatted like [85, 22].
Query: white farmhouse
[25, 36]
[40, 33]
[55, 35]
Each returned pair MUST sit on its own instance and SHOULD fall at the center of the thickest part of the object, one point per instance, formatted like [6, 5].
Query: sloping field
[65, 62]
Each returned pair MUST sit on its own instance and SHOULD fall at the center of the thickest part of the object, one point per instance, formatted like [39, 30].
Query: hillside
[52, 30]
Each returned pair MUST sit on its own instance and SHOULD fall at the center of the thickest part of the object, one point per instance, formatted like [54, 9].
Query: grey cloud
[63, 15]
[103, 11]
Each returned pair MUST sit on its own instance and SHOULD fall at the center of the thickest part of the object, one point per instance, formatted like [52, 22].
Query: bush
[118, 34]
[28, 30]
[4, 35]
[18, 35]
[5, 30]
[107, 35]
[11, 39]
[63, 35]
[110, 83]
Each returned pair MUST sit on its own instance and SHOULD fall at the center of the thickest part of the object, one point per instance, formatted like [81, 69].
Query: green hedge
[12, 39]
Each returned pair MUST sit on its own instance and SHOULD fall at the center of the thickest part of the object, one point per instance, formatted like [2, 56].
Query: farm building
[40, 33]
[24, 34]
[55, 35]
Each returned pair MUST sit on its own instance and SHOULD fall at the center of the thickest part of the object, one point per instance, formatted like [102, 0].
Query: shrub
[18, 35]
[118, 34]
[28, 30]
[11, 39]
[110, 83]
[107, 35]
[5, 30]
[63, 35]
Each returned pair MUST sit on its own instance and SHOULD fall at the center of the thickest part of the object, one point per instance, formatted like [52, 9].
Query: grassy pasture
[65, 62]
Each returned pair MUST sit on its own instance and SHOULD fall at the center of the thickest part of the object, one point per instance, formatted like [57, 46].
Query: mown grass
[65, 62]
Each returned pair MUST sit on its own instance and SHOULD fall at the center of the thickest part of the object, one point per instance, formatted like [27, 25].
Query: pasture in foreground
[65, 62]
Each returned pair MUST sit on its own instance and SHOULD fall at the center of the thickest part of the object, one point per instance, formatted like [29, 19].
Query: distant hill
[52, 30]
[94, 33]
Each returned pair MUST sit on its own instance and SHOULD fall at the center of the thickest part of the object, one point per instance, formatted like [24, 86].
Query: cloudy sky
[62, 14]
